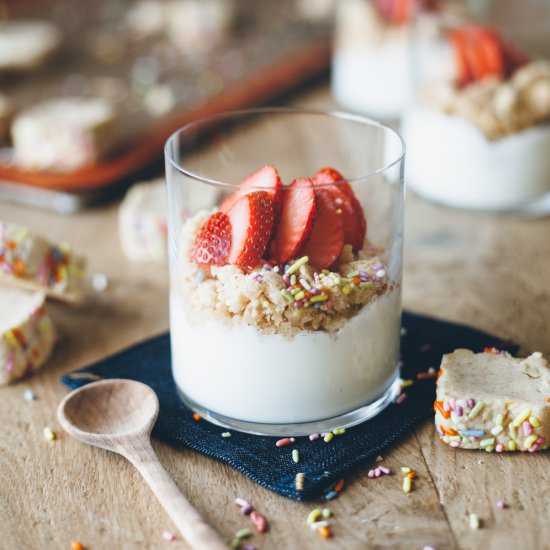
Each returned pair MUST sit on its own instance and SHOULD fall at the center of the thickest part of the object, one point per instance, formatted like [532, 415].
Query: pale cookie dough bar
[5, 116]
[64, 134]
[26, 44]
[31, 262]
[27, 335]
[142, 222]
[494, 402]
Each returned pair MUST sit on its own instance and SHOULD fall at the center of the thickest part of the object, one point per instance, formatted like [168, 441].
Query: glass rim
[341, 115]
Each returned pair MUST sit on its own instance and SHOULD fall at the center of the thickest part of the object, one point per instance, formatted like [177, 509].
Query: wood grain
[489, 271]
[118, 415]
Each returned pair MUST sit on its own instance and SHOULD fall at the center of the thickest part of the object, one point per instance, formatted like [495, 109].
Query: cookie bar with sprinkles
[27, 335]
[493, 401]
[30, 262]
[142, 222]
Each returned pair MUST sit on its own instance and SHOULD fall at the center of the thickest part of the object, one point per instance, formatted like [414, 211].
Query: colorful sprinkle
[322, 523]
[49, 434]
[313, 516]
[339, 431]
[472, 433]
[326, 513]
[478, 407]
[379, 458]
[295, 456]
[76, 545]
[524, 415]
[328, 437]
[226, 435]
[407, 484]
[297, 265]
[196, 417]
[259, 521]
[29, 395]
[299, 481]
[243, 533]
[284, 441]
[339, 485]
[325, 532]
[501, 504]
[166, 535]
[530, 441]
[534, 421]
[330, 495]
[474, 522]
[314, 437]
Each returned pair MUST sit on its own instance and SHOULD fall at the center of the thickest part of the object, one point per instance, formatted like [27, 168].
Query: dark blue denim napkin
[423, 341]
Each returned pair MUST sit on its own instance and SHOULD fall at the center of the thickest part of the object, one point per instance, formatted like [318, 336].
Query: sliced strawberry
[297, 211]
[212, 244]
[252, 218]
[463, 74]
[326, 240]
[492, 52]
[402, 12]
[472, 53]
[265, 179]
[353, 217]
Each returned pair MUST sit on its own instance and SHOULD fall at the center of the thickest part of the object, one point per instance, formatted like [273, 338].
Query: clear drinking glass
[478, 130]
[287, 349]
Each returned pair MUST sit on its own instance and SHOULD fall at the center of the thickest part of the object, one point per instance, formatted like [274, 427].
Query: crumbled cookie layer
[499, 108]
[282, 299]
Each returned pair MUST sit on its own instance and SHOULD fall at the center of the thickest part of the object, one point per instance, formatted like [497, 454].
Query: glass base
[345, 420]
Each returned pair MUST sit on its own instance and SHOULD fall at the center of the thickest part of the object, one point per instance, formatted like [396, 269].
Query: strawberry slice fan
[481, 52]
[264, 221]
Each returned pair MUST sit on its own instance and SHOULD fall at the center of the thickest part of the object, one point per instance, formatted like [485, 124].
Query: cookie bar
[27, 335]
[142, 222]
[493, 401]
[31, 262]
[64, 134]
[25, 45]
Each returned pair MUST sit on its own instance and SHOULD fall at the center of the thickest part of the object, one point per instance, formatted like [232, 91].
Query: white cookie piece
[142, 222]
[5, 116]
[64, 134]
[27, 335]
[493, 401]
[26, 44]
[31, 262]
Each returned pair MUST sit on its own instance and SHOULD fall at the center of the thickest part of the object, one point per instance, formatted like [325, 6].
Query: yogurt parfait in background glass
[285, 264]
[478, 132]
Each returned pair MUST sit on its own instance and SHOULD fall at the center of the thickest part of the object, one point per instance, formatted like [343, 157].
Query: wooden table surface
[490, 271]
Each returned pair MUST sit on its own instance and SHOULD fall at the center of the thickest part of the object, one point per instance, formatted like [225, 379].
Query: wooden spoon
[118, 415]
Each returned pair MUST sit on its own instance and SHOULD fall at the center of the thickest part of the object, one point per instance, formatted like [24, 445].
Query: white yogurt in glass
[237, 372]
[450, 161]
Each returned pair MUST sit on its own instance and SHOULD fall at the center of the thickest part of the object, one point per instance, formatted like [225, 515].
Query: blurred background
[89, 91]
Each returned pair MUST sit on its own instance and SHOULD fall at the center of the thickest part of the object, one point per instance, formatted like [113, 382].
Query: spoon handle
[187, 519]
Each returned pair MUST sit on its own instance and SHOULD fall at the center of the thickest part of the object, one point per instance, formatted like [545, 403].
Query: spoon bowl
[114, 407]
[118, 415]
